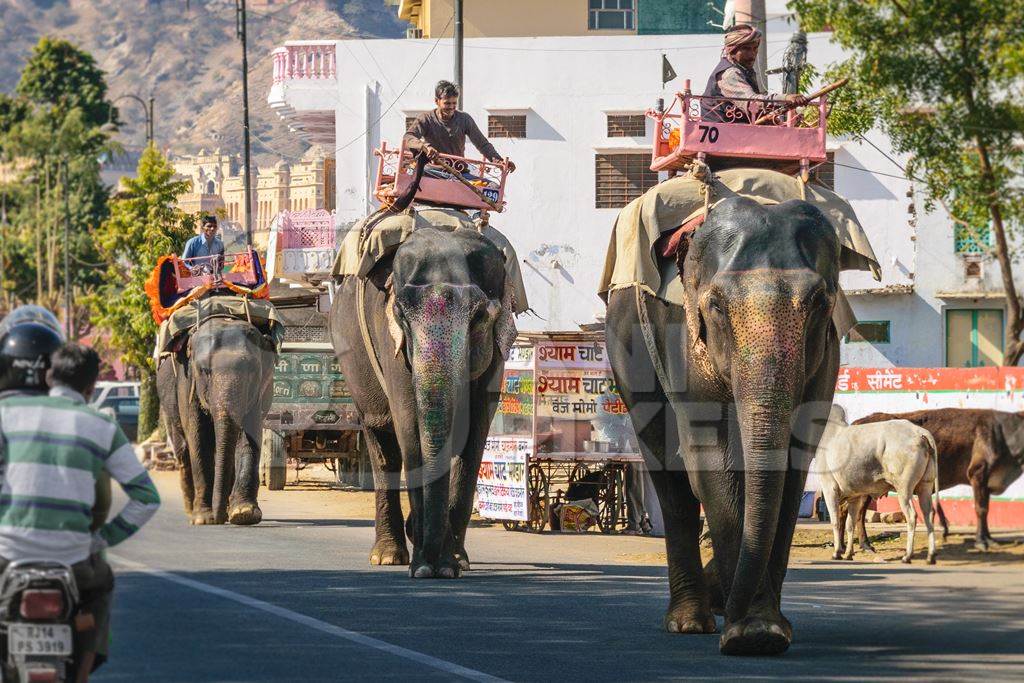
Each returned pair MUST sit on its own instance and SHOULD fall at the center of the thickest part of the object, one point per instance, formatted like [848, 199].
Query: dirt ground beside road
[316, 495]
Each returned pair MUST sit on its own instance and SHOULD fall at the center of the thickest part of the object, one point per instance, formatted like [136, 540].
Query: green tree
[61, 77]
[945, 80]
[144, 225]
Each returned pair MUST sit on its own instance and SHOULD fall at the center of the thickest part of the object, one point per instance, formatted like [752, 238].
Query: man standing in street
[445, 129]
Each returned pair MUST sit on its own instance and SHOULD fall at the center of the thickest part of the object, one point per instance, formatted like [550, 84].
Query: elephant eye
[716, 307]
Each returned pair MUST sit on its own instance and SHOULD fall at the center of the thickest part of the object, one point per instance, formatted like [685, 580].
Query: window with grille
[627, 125]
[621, 178]
[972, 239]
[612, 14]
[871, 331]
[825, 174]
[506, 126]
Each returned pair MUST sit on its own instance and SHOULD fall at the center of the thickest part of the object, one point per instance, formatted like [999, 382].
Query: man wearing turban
[735, 80]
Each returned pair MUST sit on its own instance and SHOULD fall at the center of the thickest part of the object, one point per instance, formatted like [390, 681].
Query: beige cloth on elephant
[632, 262]
[260, 312]
[393, 230]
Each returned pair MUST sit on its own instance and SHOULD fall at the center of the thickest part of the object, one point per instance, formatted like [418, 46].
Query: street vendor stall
[560, 429]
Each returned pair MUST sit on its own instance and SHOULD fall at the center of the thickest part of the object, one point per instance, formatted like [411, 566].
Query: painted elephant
[728, 395]
[214, 393]
[422, 342]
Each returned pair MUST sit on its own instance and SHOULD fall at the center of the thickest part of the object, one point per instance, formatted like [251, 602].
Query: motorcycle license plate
[39, 639]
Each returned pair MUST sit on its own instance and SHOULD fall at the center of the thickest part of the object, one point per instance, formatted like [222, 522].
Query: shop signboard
[501, 490]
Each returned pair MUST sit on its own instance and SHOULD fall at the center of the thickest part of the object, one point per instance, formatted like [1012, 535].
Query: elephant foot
[690, 618]
[463, 559]
[421, 571]
[203, 518]
[245, 514]
[755, 637]
[389, 553]
[452, 571]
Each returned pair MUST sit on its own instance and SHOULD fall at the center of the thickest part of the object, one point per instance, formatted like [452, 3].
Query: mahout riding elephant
[729, 395]
[215, 391]
[422, 343]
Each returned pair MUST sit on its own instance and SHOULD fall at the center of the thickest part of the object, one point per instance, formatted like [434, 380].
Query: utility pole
[458, 48]
[752, 12]
[247, 189]
[68, 326]
[149, 127]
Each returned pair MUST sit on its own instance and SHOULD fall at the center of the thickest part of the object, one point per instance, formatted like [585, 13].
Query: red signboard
[923, 380]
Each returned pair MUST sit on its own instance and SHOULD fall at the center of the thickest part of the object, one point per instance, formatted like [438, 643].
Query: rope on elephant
[648, 334]
[364, 332]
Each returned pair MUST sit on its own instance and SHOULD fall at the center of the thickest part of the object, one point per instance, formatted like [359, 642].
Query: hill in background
[187, 54]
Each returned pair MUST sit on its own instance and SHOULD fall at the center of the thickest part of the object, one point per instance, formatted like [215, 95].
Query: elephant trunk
[440, 376]
[765, 435]
[227, 433]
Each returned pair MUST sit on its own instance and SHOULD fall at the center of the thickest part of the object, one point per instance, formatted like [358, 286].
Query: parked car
[120, 400]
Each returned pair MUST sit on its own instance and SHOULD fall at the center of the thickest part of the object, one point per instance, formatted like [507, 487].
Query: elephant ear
[505, 326]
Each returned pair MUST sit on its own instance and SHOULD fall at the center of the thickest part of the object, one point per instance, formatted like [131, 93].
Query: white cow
[857, 462]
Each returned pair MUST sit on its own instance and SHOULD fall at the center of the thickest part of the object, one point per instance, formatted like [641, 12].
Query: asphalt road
[293, 599]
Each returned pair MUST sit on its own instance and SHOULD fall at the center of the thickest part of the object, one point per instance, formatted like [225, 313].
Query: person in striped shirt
[58, 452]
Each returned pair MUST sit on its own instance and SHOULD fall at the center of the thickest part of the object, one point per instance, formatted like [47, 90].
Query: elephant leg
[172, 425]
[466, 466]
[389, 547]
[243, 509]
[199, 436]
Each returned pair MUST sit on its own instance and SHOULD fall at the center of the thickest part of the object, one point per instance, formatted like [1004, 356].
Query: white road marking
[311, 622]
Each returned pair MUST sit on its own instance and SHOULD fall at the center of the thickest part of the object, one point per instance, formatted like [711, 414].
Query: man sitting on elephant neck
[735, 80]
[444, 131]
[205, 244]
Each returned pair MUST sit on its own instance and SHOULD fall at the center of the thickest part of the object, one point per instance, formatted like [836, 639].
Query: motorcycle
[38, 618]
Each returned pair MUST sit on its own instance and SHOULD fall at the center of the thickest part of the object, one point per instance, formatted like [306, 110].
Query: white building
[582, 156]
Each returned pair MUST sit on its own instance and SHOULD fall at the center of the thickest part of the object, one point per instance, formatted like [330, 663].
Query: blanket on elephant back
[631, 260]
[260, 312]
[393, 230]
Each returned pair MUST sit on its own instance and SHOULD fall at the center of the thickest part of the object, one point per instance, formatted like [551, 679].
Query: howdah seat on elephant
[457, 182]
[726, 351]
[712, 129]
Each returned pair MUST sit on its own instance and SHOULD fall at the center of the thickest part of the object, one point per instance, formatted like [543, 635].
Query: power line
[395, 101]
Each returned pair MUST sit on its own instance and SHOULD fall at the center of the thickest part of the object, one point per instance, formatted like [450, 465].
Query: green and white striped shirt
[56, 448]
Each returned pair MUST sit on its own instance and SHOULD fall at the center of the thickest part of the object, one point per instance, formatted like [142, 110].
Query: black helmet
[26, 342]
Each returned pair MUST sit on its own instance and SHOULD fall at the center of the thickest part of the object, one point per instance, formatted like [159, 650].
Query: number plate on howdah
[39, 639]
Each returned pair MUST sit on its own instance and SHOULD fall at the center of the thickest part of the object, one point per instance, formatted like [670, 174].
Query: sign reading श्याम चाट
[501, 490]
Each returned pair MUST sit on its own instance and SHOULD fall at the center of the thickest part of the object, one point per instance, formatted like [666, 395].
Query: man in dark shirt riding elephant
[444, 130]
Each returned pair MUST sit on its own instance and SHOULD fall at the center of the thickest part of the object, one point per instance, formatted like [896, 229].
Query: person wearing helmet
[59, 455]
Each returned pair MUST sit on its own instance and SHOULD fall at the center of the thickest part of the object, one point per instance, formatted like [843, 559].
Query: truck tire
[272, 452]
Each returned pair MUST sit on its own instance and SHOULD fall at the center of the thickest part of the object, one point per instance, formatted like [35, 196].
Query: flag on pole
[667, 72]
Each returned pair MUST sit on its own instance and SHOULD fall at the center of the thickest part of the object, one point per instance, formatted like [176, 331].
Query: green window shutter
[671, 17]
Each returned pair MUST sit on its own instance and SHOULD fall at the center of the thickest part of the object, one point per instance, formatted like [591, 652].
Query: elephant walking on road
[728, 395]
[214, 394]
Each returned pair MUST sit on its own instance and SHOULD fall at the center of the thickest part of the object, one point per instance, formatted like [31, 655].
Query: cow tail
[935, 482]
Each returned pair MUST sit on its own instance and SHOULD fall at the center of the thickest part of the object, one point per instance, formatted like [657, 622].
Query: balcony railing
[315, 60]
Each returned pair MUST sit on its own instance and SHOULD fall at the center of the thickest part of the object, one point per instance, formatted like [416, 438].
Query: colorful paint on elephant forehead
[766, 319]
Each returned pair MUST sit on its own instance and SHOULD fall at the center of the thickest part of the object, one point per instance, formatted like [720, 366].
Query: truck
[312, 418]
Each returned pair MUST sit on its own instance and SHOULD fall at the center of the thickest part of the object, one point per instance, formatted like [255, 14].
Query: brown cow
[982, 448]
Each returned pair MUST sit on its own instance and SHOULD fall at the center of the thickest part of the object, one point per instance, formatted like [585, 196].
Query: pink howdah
[238, 269]
[395, 171]
[306, 229]
[305, 61]
[784, 138]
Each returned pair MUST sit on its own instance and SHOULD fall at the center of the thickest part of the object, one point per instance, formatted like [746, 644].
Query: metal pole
[247, 190]
[753, 12]
[150, 121]
[458, 48]
[67, 256]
